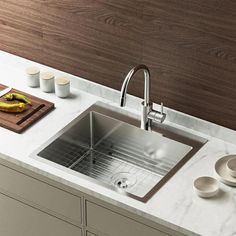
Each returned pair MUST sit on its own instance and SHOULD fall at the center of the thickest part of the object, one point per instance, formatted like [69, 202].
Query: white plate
[221, 170]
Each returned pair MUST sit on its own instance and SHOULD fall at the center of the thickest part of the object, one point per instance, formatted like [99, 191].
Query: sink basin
[108, 148]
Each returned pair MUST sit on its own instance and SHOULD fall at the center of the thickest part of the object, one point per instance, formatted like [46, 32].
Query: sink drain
[123, 180]
[122, 183]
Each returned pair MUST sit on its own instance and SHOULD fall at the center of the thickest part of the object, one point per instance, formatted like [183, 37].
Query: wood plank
[89, 49]
[193, 55]
[21, 28]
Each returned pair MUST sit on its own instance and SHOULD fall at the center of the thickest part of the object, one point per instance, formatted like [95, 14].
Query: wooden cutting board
[18, 122]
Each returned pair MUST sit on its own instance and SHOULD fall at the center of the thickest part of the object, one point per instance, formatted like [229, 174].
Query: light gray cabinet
[111, 223]
[40, 195]
[90, 234]
[19, 219]
[34, 205]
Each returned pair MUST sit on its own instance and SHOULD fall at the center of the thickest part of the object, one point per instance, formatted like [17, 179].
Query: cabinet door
[40, 195]
[113, 224]
[18, 219]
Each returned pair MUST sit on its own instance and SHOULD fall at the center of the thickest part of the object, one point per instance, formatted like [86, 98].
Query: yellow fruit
[13, 108]
[17, 96]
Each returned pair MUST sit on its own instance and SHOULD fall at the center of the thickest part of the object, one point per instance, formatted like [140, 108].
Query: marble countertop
[175, 205]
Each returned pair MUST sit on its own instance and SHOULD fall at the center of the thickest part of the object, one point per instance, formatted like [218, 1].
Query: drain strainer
[123, 180]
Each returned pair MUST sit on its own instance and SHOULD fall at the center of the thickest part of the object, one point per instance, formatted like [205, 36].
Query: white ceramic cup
[33, 74]
[47, 82]
[62, 87]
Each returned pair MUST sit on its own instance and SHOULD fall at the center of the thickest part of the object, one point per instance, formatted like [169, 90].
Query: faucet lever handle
[162, 108]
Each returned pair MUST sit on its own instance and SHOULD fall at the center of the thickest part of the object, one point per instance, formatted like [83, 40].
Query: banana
[17, 96]
[14, 108]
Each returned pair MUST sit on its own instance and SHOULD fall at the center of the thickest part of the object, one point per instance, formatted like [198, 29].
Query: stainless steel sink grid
[106, 147]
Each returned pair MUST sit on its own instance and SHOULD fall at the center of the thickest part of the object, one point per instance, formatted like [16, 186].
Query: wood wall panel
[190, 46]
[91, 48]
[21, 28]
[193, 52]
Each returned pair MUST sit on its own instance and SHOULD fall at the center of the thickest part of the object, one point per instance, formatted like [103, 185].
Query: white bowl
[231, 166]
[206, 187]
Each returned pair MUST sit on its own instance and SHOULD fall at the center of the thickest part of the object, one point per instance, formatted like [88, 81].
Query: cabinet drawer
[19, 219]
[114, 224]
[40, 195]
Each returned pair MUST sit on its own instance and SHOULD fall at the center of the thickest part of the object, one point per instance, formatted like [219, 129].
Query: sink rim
[192, 140]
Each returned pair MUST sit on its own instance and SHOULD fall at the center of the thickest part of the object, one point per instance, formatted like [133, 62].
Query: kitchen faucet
[147, 113]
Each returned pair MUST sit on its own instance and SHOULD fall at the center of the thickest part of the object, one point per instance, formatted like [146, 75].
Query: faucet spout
[147, 113]
[127, 80]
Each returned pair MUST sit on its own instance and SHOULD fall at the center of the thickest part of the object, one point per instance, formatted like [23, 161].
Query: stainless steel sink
[106, 147]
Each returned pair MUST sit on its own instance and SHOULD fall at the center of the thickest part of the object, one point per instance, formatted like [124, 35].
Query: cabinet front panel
[19, 219]
[90, 234]
[113, 224]
[41, 195]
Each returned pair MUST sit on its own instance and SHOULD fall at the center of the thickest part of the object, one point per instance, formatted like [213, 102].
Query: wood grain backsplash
[189, 46]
